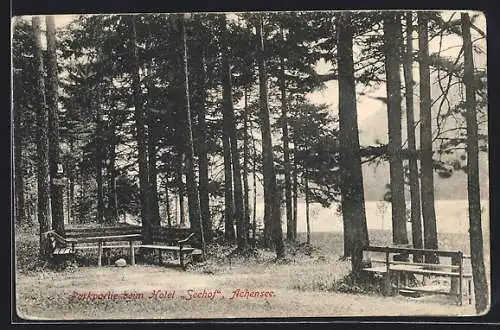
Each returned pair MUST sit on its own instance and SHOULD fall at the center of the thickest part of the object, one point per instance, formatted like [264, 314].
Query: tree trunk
[180, 173]
[192, 186]
[153, 173]
[202, 155]
[270, 189]
[246, 155]
[233, 139]
[167, 204]
[473, 192]
[416, 219]
[308, 224]
[352, 191]
[229, 232]
[43, 188]
[286, 151]
[140, 138]
[99, 167]
[19, 168]
[392, 43]
[56, 190]
[254, 182]
[112, 196]
[426, 163]
[295, 193]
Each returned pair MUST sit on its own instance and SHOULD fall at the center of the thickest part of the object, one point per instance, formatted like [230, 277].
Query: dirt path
[66, 295]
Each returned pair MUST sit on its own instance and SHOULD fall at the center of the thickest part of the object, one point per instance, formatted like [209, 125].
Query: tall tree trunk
[180, 173]
[192, 186]
[233, 139]
[295, 193]
[473, 192]
[202, 155]
[19, 168]
[254, 183]
[167, 204]
[56, 188]
[286, 150]
[112, 213]
[229, 232]
[43, 188]
[426, 163]
[352, 191]
[246, 156]
[99, 168]
[271, 192]
[140, 131]
[308, 223]
[416, 218]
[153, 173]
[392, 43]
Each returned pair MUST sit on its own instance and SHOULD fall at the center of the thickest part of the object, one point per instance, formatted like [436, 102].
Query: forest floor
[307, 284]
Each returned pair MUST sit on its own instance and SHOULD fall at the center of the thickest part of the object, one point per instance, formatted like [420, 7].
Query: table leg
[99, 254]
[160, 257]
[132, 253]
[469, 290]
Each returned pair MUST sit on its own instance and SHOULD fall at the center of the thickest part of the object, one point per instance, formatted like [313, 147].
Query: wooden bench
[394, 263]
[174, 240]
[106, 237]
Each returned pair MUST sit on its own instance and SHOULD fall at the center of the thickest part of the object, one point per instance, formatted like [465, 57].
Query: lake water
[451, 216]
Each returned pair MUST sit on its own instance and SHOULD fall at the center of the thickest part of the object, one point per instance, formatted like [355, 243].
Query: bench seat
[166, 247]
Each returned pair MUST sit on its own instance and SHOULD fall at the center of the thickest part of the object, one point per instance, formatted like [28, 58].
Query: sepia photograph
[250, 165]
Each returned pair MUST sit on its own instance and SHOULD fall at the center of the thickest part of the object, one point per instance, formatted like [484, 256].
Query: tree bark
[416, 219]
[352, 191]
[167, 205]
[392, 47]
[20, 208]
[152, 171]
[56, 190]
[254, 182]
[112, 213]
[426, 163]
[99, 168]
[43, 188]
[286, 149]
[308, 223]
[295, 192]
[140, 132]
[246, 156]
[473, 192]
[180, 173]
[202, 155]
[229, 232]
[270, 189]
[233, 139]
[192, 186]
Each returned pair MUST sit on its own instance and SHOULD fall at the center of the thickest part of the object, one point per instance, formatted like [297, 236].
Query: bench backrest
[403, 250]
[101, 231]
[169, 236]
[399, 255]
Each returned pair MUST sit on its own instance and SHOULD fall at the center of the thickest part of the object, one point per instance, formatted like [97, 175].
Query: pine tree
[416, 218]
[352, 191]
[473, 193]
[43, 193]
[192, 187]
[270, 187]
[426, 163]
[392, 48]
[140, 132]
